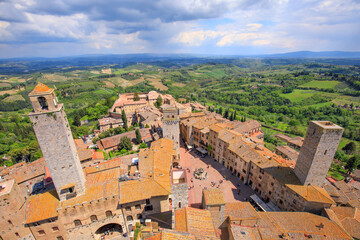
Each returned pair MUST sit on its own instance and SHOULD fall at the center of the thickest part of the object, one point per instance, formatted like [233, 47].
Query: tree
[138, 136]
[77, 121]
[349, 148]
[226, 114]
[123, 117]
[136, 96]
[352, 164]
[158, 102]
[125, 143]
[234, 116]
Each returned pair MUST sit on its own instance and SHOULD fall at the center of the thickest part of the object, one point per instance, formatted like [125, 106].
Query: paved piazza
[215, 174]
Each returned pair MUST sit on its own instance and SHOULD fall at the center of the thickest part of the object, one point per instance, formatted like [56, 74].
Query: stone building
[12, 212]
[171, 129]
[179, 189]
[53, 133]
[268, 174]
[316, 155]
[240, 221]
[116, 193]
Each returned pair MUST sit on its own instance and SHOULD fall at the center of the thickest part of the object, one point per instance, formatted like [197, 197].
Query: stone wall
[58, 147]
[318, 150]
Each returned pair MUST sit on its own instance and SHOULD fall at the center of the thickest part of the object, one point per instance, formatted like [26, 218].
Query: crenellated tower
[53, 133]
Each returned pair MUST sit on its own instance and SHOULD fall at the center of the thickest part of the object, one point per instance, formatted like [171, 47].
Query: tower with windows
[53, 133]
[171, 127]
[317, 152]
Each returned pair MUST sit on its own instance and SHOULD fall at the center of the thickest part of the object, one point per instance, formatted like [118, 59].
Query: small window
[55, 229]
[269, 192]
[43, 103]
[272, 184]
[139, 216]
[138, 206]
[147, 201]
[17, 234]
[59, 238]
[149, 208]
[41, 232]
[77, 223]
[325, 152]
[179, 204]
[128, 209]
[9, 221]
[108, 214]
[129, 218]
[294, 201]
[280, 201]
[93, 218]
[71, 189]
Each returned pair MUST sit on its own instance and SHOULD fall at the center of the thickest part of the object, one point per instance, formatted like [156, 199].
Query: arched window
[43, 103]
[77, 223]
[179, 204]
[108, 214]
[129, 218]
[93, 218]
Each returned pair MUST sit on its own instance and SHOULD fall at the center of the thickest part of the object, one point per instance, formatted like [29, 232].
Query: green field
[298, 95]
[321, 84]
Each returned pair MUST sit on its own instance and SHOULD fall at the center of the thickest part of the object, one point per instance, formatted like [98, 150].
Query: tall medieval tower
[56, 142]
[317, 152]
[171, 128]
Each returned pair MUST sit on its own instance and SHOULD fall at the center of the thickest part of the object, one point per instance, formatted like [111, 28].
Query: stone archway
[109, 231]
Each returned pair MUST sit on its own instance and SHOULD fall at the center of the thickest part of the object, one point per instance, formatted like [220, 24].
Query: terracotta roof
[84, 154]
[26, 171]
[213, 196]
[197, 222]
[312, 193]
[248, 126]
[135, 190]
[171, 235]
[6, 186]
[240, 210]
[97, 155]
[79, 143]
[41, 89]
[114, 141]
[298, 225]
[347, 217]
[288, 152]
[41, 206]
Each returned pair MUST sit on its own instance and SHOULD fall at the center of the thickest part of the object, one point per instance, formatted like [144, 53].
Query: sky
[56, 28]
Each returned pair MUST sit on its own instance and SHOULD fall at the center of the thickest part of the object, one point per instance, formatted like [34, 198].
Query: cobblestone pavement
[215, 173]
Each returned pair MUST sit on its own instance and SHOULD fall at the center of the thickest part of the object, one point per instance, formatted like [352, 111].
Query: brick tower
[56, 142]
[171, 128]
[317, 152]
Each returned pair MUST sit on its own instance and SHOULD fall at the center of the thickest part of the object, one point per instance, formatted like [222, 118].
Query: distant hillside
[30, 65]
[309, 54]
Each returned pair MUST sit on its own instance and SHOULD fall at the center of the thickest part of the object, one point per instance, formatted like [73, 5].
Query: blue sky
[43, 28]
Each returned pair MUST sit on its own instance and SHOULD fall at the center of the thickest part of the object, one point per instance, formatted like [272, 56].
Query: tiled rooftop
[41, 206]
[40, 89]
[195, 221]
[213, 196]
[240, 210]
[312, 193]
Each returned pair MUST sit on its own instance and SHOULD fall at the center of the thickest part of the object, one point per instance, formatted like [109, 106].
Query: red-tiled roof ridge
[41, 88]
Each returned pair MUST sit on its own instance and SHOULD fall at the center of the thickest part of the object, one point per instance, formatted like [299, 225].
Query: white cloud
[195, 38]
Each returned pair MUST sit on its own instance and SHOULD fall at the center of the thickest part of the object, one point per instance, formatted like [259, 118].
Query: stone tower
[56, 142]
[317, 152]
[171, 128]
